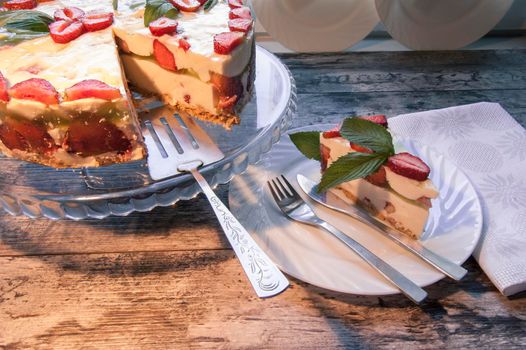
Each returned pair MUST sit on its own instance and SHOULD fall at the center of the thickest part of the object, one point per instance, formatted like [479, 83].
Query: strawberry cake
[398, 193]
[65, 67]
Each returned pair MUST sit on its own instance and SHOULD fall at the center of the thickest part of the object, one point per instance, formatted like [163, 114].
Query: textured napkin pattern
[485, 142]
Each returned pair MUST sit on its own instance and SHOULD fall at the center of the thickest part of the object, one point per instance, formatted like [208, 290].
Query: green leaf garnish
[209, 4]
[352, 166]
[368, 134]
[158, 8]
[308, 142]
[21, 25]
[115, 4]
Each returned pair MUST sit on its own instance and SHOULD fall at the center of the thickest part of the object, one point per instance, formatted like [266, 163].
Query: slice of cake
[200, 61]
[63, 97]
[359, 165]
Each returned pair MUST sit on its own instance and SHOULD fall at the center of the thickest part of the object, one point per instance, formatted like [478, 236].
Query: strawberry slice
[35, 89]
[186, 5]
[91, 88]
[95, 21]
[234, 4]
[226, 86]
[26, 136]
[183, 44]
[359, 148]
[325, 153]
[163, 25]
[20, 4]
[225, 43]
[63, 32]
[240, 12]
[334, 132]
[240, 25]
[426, 202]
[227, 102]
[4, 96]
[68, 14]
[408, 165]
[378, 178]
[94, 136]
[377, 119]
[164, 57]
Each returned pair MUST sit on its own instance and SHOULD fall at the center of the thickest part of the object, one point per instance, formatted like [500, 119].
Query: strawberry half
[183, 44]
[93, 136]
[26, 136]
[68, 14]
[164, 57]
[234, 4]
[95, 21]
[226, 86]
[91, 88]
[325, 153]
[240, 25]
[63, 32]
[360, 149]
[20, 4]
[377, 119]
[186, 5]
[225, 43]
[4, 96]
[35, 89]
[408, 165]
[163, 25]
[240, 12]
[378, 178]
[334, 132]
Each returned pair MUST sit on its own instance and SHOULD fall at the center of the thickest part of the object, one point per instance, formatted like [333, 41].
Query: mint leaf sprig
[21, 25]
[155, 9]
[354, 165]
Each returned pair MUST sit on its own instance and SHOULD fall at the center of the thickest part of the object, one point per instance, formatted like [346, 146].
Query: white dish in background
[316, 25]
[316, 257]
[440, 25]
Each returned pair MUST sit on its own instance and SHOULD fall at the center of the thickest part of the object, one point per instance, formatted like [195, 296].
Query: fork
[176, 144]
[292, 205]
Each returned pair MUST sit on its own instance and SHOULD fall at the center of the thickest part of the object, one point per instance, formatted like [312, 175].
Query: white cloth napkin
[485, 142]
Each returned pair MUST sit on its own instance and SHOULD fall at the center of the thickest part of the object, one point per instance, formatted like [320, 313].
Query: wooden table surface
[168, 279]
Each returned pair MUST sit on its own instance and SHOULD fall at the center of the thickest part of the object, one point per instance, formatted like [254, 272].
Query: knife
[442, 264]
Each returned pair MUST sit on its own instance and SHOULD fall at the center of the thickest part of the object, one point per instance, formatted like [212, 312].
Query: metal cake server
[177, 144]
[442, 264]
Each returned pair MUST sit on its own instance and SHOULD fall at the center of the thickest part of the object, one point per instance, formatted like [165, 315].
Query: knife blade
[442, 264]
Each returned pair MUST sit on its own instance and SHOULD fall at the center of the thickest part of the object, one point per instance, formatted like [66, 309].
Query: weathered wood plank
[200, 299]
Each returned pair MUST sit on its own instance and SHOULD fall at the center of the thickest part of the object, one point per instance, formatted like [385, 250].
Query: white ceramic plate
[316, 25]
[440, 25]
[314, 256]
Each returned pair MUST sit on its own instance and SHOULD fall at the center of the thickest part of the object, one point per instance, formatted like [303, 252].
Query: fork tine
[284, 187]
[290, 188]
[274, 194]
[278, 189]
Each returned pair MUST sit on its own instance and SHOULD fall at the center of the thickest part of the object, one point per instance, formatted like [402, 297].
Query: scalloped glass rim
[171, 190]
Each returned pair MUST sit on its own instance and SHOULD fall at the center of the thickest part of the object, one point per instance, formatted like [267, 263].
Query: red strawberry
[164, 57]
[359, 148]
[325, 153]
[20, 4]
[225, 43]
[227, 102]
[241, 12]
[93, 136]
[183, 44]
[26, 136]
[163, 25]
[408, 165]
[95, 21]
[426, 202]
[226, 86]
[377, 119]
[240, 25]
[35, 89]
[91, 88]
[64, 31]
[3, 89]
[68, 14]
[234, 4]
[186, 5]
[378, 178]
[334, 132]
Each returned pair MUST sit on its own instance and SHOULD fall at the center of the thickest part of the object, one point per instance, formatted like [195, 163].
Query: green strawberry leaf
[158, 8]
[209, 4]
[368, 134]
[115, 4]
[21, 25]
[308, 143]
[350, 167]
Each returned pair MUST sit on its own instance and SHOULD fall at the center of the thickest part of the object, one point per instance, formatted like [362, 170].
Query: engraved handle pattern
[264, 276]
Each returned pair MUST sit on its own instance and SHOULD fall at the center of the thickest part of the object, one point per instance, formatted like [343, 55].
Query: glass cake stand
[35, 190]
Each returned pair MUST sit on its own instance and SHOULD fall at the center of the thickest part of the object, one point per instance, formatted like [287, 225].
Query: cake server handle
[266, 279]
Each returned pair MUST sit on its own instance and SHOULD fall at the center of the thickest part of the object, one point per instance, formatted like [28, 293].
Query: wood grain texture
[168, 279]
